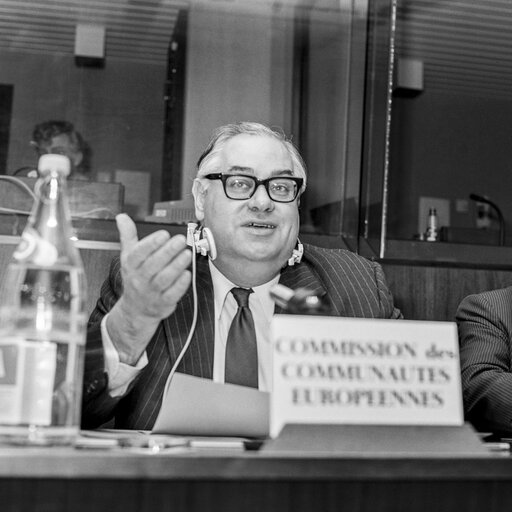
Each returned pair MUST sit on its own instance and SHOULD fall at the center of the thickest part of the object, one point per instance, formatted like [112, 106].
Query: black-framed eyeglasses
[282, 189]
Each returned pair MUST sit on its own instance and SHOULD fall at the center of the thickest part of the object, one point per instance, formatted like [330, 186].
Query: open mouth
[260, 225]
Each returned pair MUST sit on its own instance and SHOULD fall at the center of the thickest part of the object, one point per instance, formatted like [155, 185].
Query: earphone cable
[192, 327]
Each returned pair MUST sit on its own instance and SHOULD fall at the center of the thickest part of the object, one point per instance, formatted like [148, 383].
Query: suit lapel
[300, 276]
[142, 405]
[198, 359]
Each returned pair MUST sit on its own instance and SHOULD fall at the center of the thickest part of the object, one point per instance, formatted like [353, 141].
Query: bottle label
[34, 248]
[27, 377]
[11, 385]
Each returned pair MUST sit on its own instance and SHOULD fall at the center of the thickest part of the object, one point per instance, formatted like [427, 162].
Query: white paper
[201, 407]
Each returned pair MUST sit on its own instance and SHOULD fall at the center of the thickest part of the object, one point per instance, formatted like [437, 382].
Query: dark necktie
[241, 349]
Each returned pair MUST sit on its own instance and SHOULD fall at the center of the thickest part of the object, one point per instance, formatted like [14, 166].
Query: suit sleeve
[355, 285]
[97, 404]
[385, 296]
[485, 363]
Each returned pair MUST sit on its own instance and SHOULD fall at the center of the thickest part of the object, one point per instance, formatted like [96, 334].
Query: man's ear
[199, 193]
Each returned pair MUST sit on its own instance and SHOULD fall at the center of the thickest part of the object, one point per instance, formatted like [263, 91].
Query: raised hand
[155, 277]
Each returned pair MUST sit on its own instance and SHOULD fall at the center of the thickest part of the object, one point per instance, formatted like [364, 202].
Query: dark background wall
[448, 146]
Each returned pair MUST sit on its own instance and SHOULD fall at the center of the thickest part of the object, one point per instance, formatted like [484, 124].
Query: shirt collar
[222, 286]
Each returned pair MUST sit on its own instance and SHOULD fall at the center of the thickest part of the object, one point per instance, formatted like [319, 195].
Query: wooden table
[183, 479]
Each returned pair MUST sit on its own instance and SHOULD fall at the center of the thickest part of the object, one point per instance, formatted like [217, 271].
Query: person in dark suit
[485, 334]
[247, 194]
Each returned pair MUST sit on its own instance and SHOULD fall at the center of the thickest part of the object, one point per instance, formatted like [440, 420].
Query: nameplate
[330, 370]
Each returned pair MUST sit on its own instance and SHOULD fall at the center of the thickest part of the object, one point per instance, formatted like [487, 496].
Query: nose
[261, 200]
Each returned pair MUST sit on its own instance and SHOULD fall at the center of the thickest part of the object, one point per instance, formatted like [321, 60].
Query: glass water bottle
[43, 321]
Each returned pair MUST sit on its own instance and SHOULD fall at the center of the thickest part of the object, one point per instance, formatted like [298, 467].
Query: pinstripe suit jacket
[351, 285]
[485, 333]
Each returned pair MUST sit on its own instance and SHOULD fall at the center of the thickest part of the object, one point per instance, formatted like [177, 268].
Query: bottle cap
[53, 162]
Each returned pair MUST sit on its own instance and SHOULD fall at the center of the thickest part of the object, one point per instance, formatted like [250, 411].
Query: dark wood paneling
[297, 496]
[96, 264]
[104, 481]
[433, 293]
[421, 292]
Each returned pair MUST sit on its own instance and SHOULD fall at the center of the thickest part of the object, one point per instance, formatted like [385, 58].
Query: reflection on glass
[451, 135]
[147, 97]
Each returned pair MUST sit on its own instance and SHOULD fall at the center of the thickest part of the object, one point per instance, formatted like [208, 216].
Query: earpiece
[202, 240]
[297, 253]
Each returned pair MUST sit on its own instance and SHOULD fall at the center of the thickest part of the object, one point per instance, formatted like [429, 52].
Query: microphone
[299, 302]
[501, 220]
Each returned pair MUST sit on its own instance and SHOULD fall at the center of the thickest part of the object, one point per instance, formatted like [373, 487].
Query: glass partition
[377, 124]
[450, 135]
[145, 82]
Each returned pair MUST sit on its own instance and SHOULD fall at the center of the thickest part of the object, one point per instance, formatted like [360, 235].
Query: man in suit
[247, 194]
[485, 333]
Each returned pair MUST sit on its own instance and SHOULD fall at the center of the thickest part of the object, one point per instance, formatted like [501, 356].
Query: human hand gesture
[155, 277]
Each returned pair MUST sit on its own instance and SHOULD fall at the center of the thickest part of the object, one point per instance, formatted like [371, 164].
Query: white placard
[364, 371]
[40, 371]
[27, 378]
[12, 363]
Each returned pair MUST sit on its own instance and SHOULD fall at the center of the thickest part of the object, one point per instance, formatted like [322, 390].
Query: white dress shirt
[262, 308]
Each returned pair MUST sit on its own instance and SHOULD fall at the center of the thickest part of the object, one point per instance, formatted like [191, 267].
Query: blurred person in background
[60, 137]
